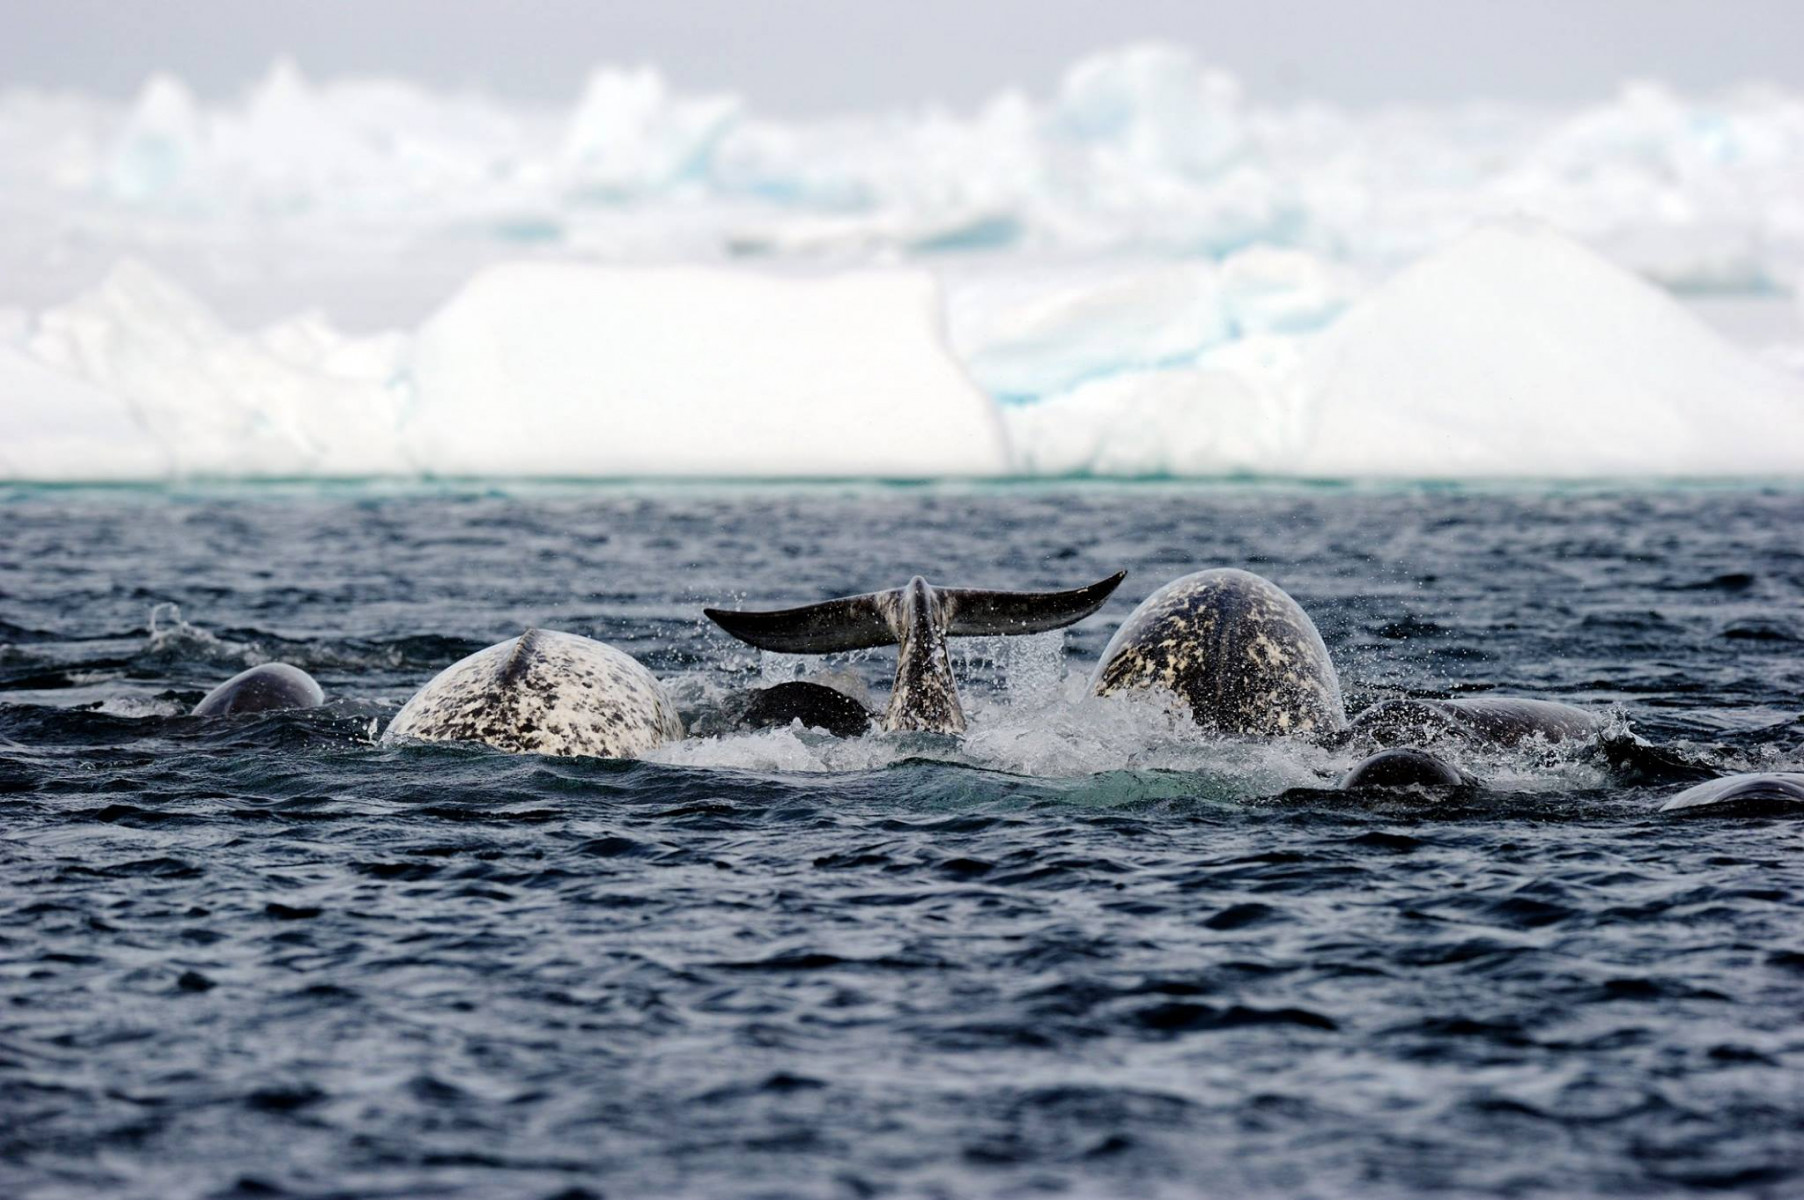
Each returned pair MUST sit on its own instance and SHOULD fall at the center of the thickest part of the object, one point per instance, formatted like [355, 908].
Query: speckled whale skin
[544, 693]
[1240, 651]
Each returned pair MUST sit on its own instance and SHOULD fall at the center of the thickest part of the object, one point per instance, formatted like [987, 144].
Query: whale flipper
[918, 618]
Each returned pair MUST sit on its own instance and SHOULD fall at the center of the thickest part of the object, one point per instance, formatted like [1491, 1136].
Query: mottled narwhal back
[1236, 647]
[544, 692]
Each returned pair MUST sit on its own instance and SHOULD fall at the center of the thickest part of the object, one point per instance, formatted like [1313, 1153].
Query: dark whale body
[815, 705]
[266, 688]
[1770, 793]
[1488, 720]
[1404, 767]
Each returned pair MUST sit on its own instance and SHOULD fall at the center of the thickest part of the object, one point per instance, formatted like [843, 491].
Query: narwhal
[917, 618]
[268, 687]
[544, 692]
[1233, 646]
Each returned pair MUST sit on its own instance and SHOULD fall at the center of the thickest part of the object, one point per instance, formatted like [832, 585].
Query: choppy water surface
[1081, 952]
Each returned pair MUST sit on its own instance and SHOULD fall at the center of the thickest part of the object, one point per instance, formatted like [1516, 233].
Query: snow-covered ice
[1514, 352]
[299, 400]
[1028, 337]
[1145, 270]
[557, 369]
[1143, 149]
[59, 429]
[532, 369]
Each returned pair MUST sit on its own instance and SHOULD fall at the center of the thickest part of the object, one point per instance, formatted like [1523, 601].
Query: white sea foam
[1132, 747]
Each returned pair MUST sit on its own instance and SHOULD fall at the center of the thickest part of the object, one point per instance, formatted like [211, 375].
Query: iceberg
[629, 136]
[1029, 337]
[349, 149]
[1273, 289]
[1144, 149]
[62, 430]
[160, 148]
[531, 369]
[212, 401]
[563, 369]
[1154, 106]
[1169, 422]
[1516, 351]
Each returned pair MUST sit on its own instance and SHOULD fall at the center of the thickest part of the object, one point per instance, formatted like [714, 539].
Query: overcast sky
[811, 56]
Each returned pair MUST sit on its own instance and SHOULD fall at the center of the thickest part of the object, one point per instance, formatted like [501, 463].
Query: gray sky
[810, 56]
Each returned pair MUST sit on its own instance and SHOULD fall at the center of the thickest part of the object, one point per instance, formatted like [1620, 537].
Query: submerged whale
[1404, 767]
[1765, 794]
[815, 705]
[265, 688]
[1234, 646]
[917, 618]
[1494, 720]
[544, 692]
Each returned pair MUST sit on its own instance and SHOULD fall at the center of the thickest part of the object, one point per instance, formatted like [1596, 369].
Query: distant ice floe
[185, 392]
[1514, 352]
[1145, 272]
[1143, 148]
[533, 369]
[558, 369]
[1026, 337]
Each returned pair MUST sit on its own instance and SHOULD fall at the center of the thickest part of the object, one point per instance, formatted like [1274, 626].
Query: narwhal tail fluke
[974, 612]
[877, 618]
[830, 627]
[918, 618]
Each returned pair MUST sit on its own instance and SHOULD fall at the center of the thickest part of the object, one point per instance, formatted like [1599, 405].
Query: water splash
[172, 639]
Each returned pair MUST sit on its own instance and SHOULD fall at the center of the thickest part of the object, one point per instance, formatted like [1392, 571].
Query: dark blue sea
[1082, 951]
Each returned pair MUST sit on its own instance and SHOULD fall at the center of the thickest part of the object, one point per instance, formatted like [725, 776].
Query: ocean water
[1080, 952]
